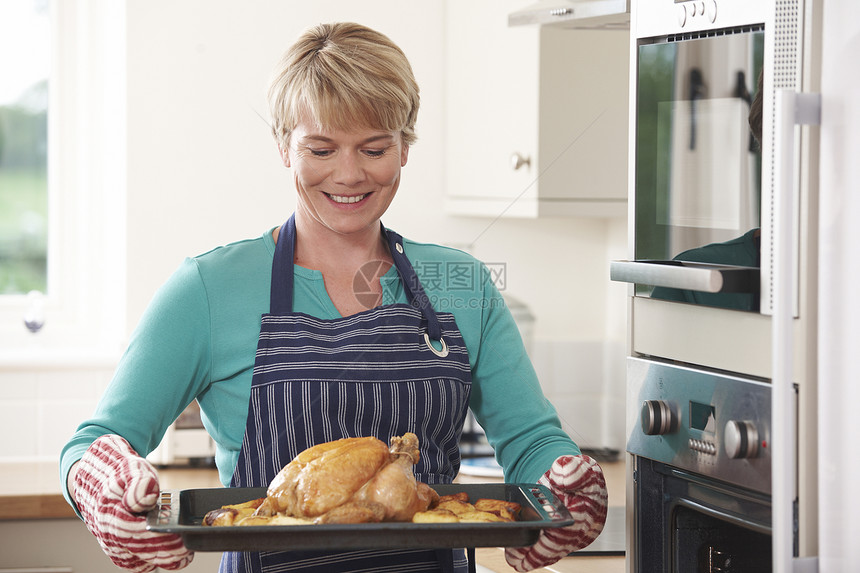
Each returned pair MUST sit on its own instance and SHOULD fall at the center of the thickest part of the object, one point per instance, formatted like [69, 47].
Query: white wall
[203, 171]
[202, 166]
[839, 307]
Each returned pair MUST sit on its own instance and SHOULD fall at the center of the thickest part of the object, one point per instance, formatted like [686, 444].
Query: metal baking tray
[181, 512]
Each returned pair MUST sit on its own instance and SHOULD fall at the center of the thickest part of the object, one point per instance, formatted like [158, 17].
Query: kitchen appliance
[698, 190]
[704, 195]
[722, 308]
[186, 442]
[700, 443]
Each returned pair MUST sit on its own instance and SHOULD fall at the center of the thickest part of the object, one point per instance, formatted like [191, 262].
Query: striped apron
[389, 370]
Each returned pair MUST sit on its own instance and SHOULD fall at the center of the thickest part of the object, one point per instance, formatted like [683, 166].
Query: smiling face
[345, 180]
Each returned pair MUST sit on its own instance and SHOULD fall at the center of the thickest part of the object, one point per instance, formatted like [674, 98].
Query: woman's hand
[114, 488]
[579, 483]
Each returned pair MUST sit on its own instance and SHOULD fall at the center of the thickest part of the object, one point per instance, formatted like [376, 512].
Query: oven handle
[686, 275]
[717, 514]
[791, 109]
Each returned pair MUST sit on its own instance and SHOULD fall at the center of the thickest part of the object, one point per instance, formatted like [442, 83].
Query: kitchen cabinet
[39, 531]
[537, 117]
[66, 543]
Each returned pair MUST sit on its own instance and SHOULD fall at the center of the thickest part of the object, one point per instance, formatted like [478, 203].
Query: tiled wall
[41, 406]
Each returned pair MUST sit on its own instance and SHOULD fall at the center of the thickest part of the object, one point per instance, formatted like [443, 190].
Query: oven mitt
[579, 484]
[114, 488]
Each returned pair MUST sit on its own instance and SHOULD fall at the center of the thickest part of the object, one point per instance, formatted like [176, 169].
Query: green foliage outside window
[23, 146]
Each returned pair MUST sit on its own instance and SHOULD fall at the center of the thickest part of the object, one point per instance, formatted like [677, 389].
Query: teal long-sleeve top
[198, 338]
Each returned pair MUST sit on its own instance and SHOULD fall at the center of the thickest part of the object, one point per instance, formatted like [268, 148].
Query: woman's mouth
[346, 198]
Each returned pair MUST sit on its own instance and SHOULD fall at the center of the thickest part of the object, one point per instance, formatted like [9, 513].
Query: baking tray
[181, 512]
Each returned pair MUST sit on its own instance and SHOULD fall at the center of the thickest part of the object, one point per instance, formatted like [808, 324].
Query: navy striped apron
[383, 372]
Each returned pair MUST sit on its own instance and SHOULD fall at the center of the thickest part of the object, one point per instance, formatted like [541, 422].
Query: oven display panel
[703, 418]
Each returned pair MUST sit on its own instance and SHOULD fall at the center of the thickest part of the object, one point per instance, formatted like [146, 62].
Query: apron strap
[281, 292]
[414, 291]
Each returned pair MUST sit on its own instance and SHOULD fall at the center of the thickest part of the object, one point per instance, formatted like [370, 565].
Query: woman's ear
[404, 155]
[285, 155]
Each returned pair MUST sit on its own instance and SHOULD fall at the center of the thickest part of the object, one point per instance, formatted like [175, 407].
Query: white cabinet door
[492, 101]
[583, 119]
[553, 100]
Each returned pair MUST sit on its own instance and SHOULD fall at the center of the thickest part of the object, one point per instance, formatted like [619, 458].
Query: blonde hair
[343, 75]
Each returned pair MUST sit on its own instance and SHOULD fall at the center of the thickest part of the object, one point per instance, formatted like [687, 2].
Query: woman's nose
[348, 170]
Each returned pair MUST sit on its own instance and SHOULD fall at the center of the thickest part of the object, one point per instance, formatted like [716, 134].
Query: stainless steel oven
[701, 469]
[698, 157]
[712, 162]
[722, 273]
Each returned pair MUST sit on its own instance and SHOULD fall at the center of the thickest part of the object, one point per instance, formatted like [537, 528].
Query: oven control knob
[658, 418]
[741, 439]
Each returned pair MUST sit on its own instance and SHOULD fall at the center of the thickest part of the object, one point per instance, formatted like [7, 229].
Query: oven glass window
[698, 157]
[705, 544]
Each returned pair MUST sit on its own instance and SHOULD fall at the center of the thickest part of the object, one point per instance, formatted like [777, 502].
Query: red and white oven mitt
[579, 483]
[114, 488]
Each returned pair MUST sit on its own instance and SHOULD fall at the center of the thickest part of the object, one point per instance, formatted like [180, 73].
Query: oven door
[700, 446]
[687, 523]
[698, 159]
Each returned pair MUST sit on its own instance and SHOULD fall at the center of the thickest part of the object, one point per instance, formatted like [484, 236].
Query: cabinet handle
[518, 160]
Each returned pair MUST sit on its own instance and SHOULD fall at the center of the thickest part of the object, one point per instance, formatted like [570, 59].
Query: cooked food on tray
[456, 508]
[361, 478]
[232, 514]
[357, 480]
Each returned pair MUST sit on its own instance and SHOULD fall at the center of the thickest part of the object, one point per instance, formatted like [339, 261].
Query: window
[67, 238]
[25, 66]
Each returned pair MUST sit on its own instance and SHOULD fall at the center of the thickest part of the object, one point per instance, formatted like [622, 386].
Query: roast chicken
[352, 480]
[358, 480]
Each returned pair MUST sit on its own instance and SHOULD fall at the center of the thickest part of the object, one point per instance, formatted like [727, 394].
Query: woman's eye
[375, 152]
[320, 152]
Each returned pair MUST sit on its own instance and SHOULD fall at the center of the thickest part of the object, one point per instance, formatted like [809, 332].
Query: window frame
[85, 302]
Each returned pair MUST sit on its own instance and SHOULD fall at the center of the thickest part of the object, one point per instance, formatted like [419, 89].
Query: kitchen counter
[32, 510]
[32, 491]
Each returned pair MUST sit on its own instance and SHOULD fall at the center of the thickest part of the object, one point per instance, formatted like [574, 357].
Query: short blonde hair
[342, 76]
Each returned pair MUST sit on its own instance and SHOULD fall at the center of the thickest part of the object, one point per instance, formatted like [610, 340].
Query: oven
[701, 470]
[722, 342]
[697, 155]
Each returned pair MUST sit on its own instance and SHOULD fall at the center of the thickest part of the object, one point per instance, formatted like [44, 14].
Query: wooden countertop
[31, 490]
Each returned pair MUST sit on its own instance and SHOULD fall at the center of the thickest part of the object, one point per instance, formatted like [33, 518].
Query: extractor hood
[574, 14]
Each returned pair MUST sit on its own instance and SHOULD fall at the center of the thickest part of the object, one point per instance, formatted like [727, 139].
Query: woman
[335, 356]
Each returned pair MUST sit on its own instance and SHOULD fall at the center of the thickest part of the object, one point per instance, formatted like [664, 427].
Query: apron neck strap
[281, 293]
[414, 291]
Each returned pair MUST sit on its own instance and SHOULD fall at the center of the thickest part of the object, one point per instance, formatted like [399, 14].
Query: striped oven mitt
[114, 488]
[579, 483]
